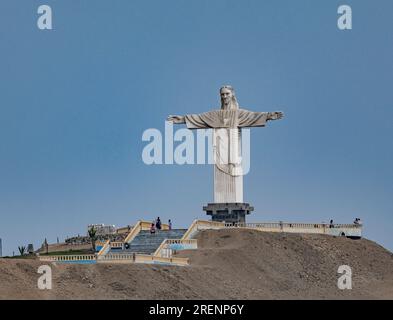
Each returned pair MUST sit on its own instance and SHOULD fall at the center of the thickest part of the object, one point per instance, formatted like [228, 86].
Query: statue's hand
[277, 115]
[176, 119]
[172, 118]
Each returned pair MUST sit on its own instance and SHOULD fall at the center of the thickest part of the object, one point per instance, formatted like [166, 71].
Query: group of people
[357, 221]
[156, 225]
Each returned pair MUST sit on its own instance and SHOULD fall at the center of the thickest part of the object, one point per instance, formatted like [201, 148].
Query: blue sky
[75, 100]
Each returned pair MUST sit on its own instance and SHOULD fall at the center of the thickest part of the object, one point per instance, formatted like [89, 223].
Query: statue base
[228, 212]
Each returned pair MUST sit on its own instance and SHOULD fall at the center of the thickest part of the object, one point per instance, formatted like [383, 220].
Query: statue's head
[228, 98]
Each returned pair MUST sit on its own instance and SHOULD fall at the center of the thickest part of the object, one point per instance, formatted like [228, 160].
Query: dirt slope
[233, 264]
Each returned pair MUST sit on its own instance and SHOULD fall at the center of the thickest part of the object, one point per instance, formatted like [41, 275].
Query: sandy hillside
[233, 264]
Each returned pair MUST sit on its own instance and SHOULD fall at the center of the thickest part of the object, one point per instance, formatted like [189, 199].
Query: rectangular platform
[228, 212]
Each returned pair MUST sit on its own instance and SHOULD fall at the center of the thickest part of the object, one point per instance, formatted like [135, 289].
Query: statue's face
[226, 96]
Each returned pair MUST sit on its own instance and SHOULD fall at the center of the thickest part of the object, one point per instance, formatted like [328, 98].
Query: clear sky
[75, 100]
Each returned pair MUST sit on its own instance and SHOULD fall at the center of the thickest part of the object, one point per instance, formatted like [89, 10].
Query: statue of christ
[226, 124]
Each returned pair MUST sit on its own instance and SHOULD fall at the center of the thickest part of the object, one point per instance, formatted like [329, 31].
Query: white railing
[290, 225]
[116, 257]
[182, 241]
[116, 244]
[320, 228]
[294, 227]
[144, 258]
[82, 257]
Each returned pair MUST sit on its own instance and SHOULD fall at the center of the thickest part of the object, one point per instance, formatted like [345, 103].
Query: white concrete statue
[227, 123]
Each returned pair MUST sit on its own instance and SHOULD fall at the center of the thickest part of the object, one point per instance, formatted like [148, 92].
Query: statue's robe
[227, 124]
[234, 118]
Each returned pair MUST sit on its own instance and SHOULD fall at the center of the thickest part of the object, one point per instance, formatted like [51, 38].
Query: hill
[229, 264]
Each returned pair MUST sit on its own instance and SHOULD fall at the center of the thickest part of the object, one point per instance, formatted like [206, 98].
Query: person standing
[158, 223]
[170, 224]
[152, 228]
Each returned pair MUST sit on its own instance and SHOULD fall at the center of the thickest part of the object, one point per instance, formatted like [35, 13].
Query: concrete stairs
[147, 243]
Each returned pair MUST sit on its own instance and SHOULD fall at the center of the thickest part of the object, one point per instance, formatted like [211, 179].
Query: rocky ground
[229, 264]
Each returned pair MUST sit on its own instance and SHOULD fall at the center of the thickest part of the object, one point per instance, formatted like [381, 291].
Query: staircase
[147, 243]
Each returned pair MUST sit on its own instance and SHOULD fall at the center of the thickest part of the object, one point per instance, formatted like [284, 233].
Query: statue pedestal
[228, 212]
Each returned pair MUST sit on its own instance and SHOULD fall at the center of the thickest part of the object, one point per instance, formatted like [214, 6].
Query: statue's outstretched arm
[177, 119]
[277, 115]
